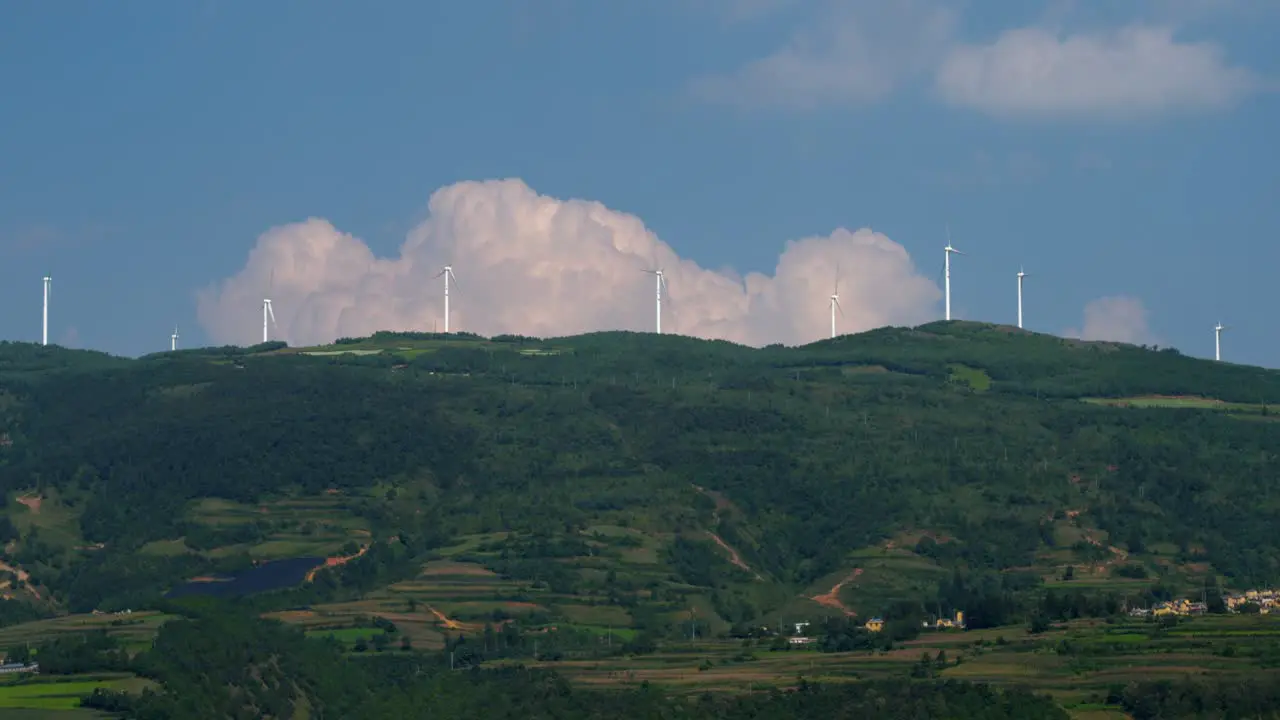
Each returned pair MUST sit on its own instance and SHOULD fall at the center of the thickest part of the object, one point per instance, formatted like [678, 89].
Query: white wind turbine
[947, 270]
[447, 272]
[835, 302]
[44, 334]
[267, 312]
[1021, 275]
[173, 339]
[1217, 340]
[660, 283]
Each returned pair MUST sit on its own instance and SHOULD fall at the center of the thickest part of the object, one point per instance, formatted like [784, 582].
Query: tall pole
[833, 317]
[44, 333]
[947, 273]
[1020, 276]
[447, 272]
[657, 278]
[1217, 342]
[266, 309]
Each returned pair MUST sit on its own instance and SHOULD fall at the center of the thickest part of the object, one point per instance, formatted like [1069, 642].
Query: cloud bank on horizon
[535, 265]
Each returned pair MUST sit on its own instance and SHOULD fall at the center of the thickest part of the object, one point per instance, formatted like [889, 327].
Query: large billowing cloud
[1129, 72]
[534, 265]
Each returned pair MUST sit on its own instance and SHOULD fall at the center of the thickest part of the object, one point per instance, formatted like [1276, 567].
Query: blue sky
[1123, 152]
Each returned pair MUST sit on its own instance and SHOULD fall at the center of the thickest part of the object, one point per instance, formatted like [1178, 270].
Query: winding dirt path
[722, 503]
[448, 623]
[734, 557]
[334, 562]
[831, 598]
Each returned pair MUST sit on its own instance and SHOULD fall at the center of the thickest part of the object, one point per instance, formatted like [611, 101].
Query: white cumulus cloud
[1117, 318]
[1133, 71]
[535, 265]
[853, 52]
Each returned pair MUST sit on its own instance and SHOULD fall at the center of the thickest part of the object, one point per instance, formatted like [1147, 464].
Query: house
[875, 624]
[800, 640]
[801, 627]
[956, 621]
[9, 668]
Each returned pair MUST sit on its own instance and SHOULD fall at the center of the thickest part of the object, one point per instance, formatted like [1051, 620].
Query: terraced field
[1076, 662]
[135, 630]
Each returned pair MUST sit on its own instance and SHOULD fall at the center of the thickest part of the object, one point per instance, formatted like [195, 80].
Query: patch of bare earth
[23, 577]
[32, 502]
[831, 598]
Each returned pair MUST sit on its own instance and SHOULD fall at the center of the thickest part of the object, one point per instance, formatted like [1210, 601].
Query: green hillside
[639, 489]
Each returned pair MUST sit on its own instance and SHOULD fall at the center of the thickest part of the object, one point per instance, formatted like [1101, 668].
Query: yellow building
[875, 624]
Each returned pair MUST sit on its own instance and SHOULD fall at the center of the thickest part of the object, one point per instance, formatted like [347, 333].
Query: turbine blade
[271, 313]
[837, 302]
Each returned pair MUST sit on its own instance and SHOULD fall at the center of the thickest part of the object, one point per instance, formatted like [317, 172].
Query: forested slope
[974, 440]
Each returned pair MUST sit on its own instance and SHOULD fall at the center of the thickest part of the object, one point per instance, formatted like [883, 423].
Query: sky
[172, 164]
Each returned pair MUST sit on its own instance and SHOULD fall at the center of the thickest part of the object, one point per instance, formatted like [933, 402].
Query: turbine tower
[1021, 275]
[447, 272]
[947, 270]
[44, 333]
[1217, 341]
[267, 313]
[173, 339]
[660, 283]
[835, 303]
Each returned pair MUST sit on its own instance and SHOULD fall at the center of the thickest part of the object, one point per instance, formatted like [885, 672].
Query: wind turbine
[44, 335]
[660, 283]
[947, 269]
[1217, 340]
[1021, 275]
[447, 272]
[267, 312]
[835, 303]
[173, 339]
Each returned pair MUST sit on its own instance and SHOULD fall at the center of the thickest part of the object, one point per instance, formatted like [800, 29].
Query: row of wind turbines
[660, 285]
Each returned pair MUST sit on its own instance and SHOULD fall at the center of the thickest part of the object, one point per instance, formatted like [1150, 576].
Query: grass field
[41, 693]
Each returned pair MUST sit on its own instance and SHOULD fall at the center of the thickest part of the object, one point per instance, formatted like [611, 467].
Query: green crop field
[61, 694]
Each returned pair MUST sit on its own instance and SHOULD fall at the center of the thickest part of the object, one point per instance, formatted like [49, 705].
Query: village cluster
[1264, 601]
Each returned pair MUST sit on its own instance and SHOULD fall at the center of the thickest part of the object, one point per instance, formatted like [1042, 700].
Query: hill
[562, 500]
[633, 466]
